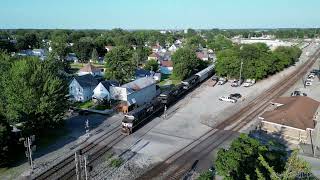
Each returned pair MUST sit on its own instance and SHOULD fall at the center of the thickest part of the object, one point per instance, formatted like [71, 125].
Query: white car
[308, 83]
[227, 99]
[249, 82]
[310, 79]
[222, 81]
[311, 75]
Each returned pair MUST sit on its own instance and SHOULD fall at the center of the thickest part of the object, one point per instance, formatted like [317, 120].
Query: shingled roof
[140, 83]
[297, 112]
[89, 68]
[86, 80]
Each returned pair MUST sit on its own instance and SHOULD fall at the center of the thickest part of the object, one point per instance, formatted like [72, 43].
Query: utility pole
[76, 160]
[239, 82]
[312, 147]
[85, 166]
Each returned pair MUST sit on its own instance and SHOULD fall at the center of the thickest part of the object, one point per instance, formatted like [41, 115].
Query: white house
[173, 48]
[81, 88]
[101, 92]
[137, 92]
[90, 69]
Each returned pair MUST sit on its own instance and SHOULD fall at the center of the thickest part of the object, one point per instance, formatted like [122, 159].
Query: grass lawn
[102, 107]
[84, 105]
[167, 79]
[80, 65]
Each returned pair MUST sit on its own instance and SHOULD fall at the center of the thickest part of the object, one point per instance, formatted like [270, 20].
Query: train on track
[142, 114]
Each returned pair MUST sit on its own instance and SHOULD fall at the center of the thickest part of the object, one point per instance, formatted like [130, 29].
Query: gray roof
[139, 83]
[109, 83]
[86, 80]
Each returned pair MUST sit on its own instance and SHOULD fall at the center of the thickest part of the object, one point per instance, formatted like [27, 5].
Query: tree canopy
[119, 64]
[152, 65]
[249, 158]
[258, 60]
[185, 63]
[33, 92]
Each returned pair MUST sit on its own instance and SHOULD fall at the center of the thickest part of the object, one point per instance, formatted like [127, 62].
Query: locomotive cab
[127, 124]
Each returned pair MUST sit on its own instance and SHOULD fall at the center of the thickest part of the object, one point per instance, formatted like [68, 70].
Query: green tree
[35, 94]
[195, 42]
[60, 46]
[29, 40]
[241, 159]
[152, 65]
[94, 55]
[206, 175]
[83, 48]
[119, 64]
[185, 63]
[295, 168]
[219, 42]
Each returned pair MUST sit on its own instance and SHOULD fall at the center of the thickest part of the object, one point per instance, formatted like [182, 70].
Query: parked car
[249, 82]
[227, 99]
[215, 78]
[222, 81]
[236, 83]
[298, 93]
[311, 75]
[308, 83]
[236, 95]
[309, 79]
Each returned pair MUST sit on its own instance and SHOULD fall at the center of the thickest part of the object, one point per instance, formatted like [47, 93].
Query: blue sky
[158, 14]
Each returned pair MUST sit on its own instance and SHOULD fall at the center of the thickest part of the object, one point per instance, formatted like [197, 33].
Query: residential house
[38, 52]
[166, 67]
[156, 48]
[72, 58]
[173, 48]
[153, 56]
[157, 77]
[109, 48]
[102, 91]
[81, 87]
[203, 55]
[293, 118]
[140, 73]
[90, 69]
[137, 92]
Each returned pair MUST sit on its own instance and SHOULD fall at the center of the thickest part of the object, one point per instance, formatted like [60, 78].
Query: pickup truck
[227, 99]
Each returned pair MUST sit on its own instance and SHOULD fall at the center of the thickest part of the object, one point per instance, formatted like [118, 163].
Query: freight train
[143, 113]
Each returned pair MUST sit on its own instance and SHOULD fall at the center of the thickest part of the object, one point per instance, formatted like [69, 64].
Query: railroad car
[139, 115]
[190, 82]
[143, 113]
[169, 96]
[205, 73]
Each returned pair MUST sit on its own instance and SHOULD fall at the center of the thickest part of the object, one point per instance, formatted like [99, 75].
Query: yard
[84, 105]
[168, 79]
[78, 66]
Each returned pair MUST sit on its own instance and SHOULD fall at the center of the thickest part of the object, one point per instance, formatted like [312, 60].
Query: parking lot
[192, 117]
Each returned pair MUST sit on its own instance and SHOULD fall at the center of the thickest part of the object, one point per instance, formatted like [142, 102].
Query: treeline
[258, 60]
[33, 97]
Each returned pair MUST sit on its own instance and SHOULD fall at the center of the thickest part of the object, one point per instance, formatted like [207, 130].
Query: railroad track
[176, 166]
[64, 168]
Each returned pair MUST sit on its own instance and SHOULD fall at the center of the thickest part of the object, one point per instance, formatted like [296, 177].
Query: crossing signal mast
[30, 148]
